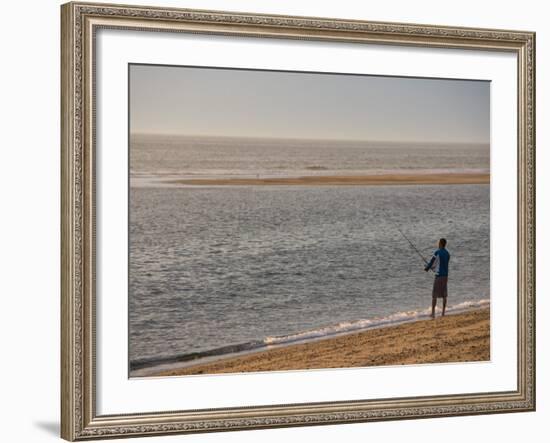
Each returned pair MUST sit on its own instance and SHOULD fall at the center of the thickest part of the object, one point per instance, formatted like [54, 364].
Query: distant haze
[275, 104]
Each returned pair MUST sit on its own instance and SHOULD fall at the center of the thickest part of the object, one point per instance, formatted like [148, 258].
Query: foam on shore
[144, 368]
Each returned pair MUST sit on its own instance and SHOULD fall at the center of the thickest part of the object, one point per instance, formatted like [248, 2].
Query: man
[440, 265]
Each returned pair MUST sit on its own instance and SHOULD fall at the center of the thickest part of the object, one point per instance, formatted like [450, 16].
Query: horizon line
[263, 137]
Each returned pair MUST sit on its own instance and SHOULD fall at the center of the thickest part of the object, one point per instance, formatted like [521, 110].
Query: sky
[248, 103]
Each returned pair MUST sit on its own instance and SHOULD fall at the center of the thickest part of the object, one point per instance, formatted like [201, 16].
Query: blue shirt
[440, 262]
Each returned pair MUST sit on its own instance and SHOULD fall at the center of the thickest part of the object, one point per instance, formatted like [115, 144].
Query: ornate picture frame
[80, 23]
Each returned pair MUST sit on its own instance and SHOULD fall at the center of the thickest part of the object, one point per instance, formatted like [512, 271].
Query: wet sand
[461, 337]
[365, 180]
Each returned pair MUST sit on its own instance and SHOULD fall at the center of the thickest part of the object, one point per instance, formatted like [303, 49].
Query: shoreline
[457, 337]
[354, 180]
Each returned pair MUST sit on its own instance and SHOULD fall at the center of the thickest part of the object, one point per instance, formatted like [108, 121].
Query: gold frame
[79, 22]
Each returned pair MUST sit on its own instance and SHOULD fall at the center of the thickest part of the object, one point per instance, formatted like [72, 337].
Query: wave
[145, 367]
[289, 171]
[364, 324]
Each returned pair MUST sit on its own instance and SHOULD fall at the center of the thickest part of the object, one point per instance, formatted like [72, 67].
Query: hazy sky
[228, 102]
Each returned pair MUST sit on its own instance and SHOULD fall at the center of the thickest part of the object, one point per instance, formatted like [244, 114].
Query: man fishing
[439, 263]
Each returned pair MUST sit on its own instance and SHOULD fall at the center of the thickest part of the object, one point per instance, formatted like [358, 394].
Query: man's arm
[431, 262]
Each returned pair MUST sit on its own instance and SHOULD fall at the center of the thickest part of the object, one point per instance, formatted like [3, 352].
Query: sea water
[216, 270]
[156, 158]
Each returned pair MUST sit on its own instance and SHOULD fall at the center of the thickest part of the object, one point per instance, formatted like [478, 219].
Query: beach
[333, 180]
[462, 337]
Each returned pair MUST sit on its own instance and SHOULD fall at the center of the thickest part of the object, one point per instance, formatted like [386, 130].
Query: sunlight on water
[212, 267]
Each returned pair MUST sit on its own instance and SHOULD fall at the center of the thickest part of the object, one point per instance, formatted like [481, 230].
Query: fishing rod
[408, 240]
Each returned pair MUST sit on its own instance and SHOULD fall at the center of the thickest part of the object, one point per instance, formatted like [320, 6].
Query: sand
[461, 337]
[382, 179]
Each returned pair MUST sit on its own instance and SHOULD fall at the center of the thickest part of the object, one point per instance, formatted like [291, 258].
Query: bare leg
[444, 306]
[434, 302]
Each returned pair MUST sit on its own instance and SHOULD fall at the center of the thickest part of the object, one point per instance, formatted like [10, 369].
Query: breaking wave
[323, 332]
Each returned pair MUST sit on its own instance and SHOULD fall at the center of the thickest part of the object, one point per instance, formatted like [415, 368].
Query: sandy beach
[461, 337]
[365, 180]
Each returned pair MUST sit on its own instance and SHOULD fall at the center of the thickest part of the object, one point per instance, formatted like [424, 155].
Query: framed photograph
[277, 221]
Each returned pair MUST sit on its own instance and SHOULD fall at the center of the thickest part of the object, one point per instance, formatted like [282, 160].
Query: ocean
[217, 270]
